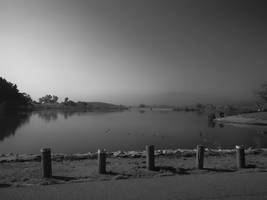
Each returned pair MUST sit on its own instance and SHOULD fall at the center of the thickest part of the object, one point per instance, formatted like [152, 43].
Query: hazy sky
[134, 51]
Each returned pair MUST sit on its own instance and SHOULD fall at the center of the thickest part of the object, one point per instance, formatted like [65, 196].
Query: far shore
[78, 106]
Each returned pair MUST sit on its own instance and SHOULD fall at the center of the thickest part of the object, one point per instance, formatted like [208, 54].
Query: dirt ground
[26, 173]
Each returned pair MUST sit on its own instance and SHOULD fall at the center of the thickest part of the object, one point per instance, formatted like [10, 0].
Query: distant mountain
[171, 98]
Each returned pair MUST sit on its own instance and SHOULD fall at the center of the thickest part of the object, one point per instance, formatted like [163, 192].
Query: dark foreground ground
[220, 186]
[175, 177]
[26, 170]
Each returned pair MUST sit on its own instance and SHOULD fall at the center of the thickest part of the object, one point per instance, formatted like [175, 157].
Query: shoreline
[58, 157]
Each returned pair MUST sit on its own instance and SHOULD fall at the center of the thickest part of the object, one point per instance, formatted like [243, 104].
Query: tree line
[11, 97]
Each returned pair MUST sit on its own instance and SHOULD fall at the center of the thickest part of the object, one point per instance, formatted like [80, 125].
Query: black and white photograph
[133, 99]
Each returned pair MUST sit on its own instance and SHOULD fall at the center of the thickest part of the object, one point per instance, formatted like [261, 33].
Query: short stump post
[101, 161]
[150, 160]
[240, 156]
[200, 157]
[46, 162]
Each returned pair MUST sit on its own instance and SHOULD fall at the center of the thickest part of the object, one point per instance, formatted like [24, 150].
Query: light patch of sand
[250, 118]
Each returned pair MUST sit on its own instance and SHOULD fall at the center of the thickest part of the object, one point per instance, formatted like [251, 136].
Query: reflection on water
[142, 111]
[48, 115]
[10, 122]
[69, 131]
[221, 125]
[52, 115]
[211, 123]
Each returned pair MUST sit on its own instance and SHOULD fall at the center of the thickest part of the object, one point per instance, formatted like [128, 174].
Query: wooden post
[200, 157]
[240, 157]
[101, 161]
[150, 160]
[46, 162]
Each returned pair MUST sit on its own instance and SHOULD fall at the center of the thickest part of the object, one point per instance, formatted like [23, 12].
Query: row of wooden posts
[150, 159]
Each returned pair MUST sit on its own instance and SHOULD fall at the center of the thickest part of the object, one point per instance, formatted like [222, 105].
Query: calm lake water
[70, 132]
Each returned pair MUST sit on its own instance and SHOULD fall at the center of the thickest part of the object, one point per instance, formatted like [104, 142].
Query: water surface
[70, 132]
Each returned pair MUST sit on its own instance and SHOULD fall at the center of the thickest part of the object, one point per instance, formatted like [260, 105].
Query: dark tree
[10, 97]
[48, 99]
[54, 99]
[45, 99]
